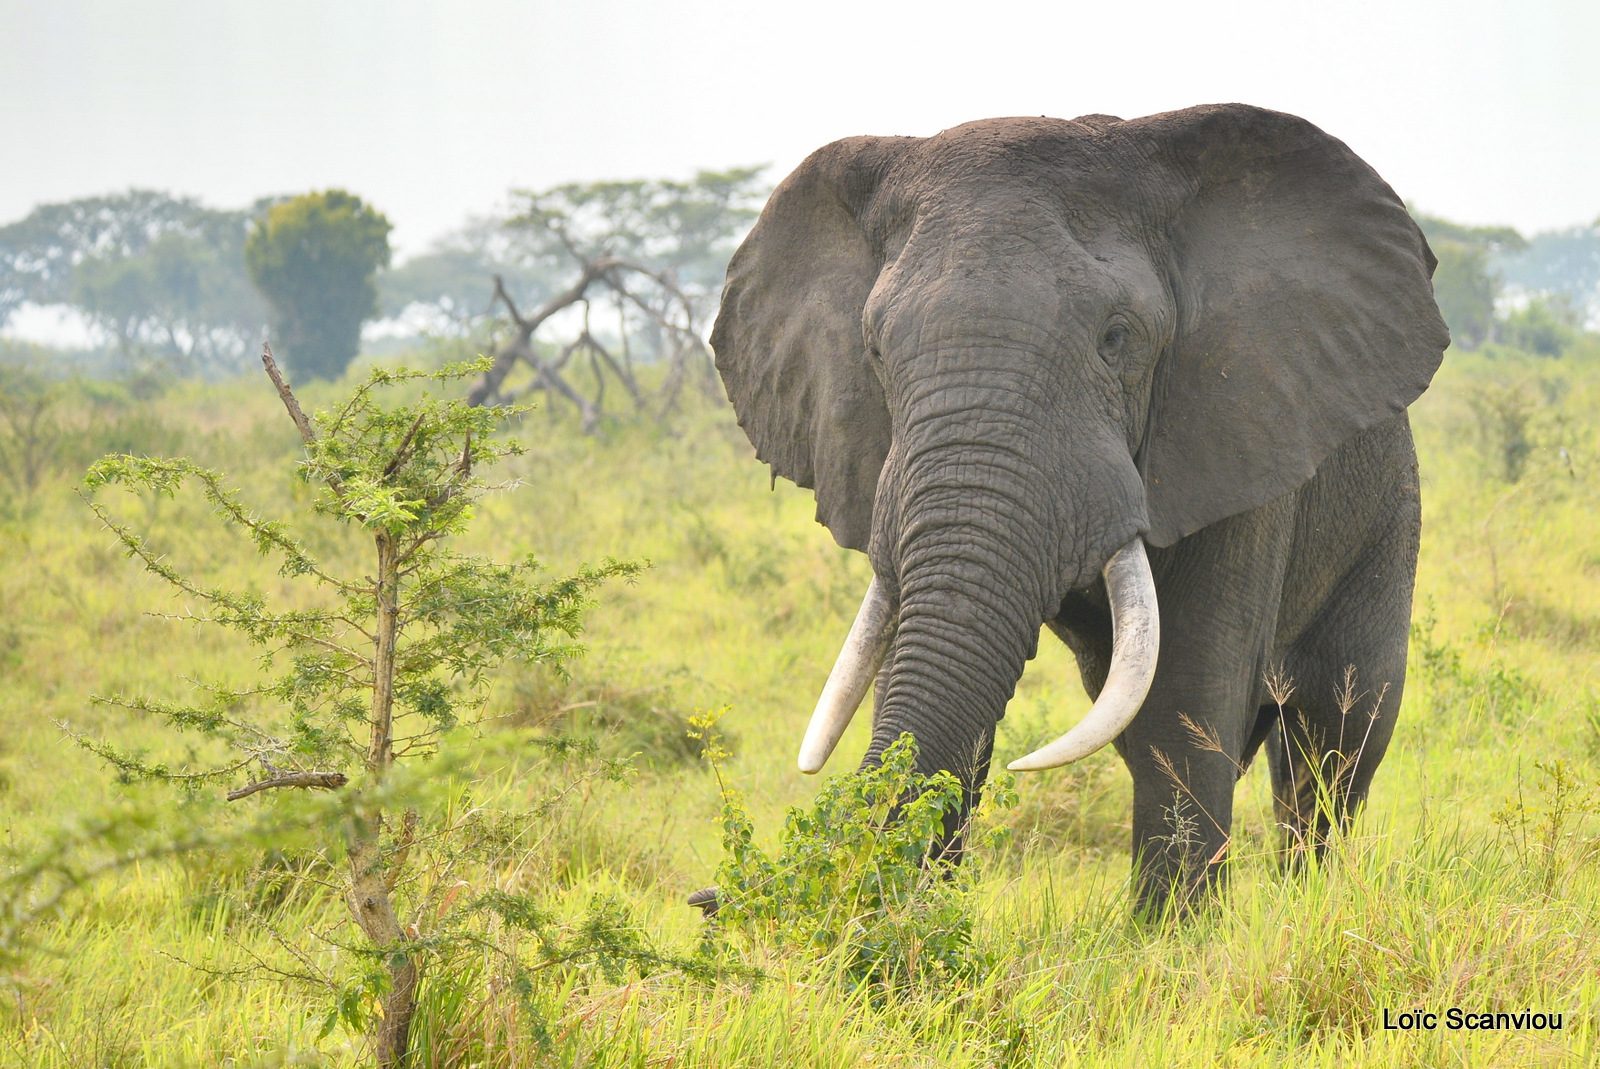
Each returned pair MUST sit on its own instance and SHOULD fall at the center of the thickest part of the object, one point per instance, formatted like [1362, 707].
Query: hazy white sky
[1487, 111]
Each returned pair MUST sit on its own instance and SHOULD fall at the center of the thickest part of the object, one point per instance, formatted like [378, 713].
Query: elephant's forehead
[1022, 203]
[1009, 174]
[1048, 150]
[1010, 134]
[1001, 227]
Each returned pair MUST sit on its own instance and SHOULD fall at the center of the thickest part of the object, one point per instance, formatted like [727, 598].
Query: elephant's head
[1003, 354]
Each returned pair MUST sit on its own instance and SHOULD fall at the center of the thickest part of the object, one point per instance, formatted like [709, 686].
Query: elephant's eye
[1113, 341]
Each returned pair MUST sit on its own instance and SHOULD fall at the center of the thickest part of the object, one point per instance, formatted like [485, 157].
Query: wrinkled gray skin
[1000, 353]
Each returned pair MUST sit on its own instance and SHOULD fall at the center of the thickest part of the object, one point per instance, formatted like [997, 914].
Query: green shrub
[854, 882]
[1545, 834]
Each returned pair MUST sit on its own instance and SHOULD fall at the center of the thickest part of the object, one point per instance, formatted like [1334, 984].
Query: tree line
[1494, 285]
[570, 289]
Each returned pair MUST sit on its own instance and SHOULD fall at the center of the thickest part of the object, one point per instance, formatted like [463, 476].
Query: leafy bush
[31, 426]
[1504, 412]
[855, 880]
[1545, 834]
[1546, 327]
[1496, 691]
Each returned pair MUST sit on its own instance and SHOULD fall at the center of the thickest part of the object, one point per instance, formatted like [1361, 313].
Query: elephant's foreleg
[1348, 677]
[1182, 821]
[1348, 612]
[1219, 592]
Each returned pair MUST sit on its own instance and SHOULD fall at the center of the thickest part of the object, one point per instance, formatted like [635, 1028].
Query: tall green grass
[1432, 902]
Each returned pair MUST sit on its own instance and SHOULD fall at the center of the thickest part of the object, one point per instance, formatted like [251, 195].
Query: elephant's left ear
[1305, 311]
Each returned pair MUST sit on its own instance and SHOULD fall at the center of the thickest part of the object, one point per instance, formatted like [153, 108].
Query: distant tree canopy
[639, 265]
[571, 287]
[645, 263]
[453, 281]
[1560, 263]
[162, 275]
[1463, 283]
[1492, 284]
[687, 228]
[314, 258]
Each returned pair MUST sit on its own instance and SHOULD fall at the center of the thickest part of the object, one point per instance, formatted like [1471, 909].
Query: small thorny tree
[399, 652]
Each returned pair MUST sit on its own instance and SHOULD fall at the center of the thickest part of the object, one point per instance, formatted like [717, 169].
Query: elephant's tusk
[847, 684]
[1135, 641]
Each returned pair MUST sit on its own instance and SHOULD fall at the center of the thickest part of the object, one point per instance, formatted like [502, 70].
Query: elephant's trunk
[991, 505]
[978, 563]
[1136, 631]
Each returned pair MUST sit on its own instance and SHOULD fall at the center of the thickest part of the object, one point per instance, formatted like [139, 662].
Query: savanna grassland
[1470, 881]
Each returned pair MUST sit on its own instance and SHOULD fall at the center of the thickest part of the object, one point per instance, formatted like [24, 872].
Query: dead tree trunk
[671, 312]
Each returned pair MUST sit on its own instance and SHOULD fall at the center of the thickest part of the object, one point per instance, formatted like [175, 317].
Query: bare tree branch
[666, 308]
[486, 388]
[400, 453]
[307, 431]
[324, 781]
[625, 377]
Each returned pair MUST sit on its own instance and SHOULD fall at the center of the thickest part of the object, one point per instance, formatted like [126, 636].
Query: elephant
[1140, 382]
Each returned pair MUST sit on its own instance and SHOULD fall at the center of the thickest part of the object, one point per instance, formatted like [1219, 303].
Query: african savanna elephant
[1142, 382]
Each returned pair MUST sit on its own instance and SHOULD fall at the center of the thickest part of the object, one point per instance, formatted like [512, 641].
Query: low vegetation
[563, 835]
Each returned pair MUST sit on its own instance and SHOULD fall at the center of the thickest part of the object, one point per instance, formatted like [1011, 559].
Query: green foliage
[406, 472]
[434, 624]
[1546, 834]
[314, 258]
[238, 955]
[1554, 275]
[1465, 291]
[1563, 264]
[1522, 416]
[624, 711]
[1464, 283]
[606, 936]
[855, 878]
[30, 424]
[1496, 692]
[180, 297]
[1545, 327]
[1505, 411]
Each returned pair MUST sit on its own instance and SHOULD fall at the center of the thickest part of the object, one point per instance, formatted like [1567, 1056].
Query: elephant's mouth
[1136, 640]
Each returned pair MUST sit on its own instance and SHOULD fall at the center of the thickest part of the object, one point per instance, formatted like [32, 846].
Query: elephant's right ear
[788, 336]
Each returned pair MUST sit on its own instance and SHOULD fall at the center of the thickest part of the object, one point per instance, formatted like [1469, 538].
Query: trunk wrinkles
[973, 559]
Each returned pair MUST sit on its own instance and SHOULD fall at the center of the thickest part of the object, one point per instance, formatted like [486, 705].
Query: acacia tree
[314, 258]
[637, 268]
[397, 650]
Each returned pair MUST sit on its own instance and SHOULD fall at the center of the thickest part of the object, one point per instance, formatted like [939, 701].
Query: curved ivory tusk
[847, 684]
[1135, 641]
